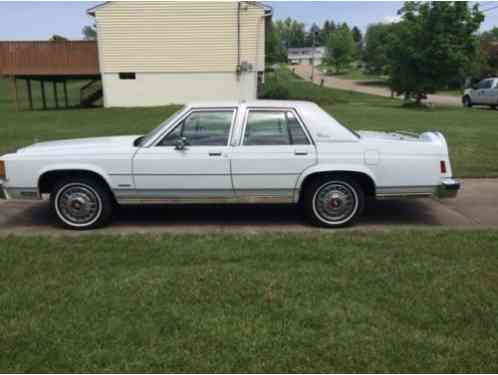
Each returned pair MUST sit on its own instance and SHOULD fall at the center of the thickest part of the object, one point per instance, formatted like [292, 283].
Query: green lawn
[354, 73]
[423, 301]
[405, 301]
[25, 127]
[472, 133]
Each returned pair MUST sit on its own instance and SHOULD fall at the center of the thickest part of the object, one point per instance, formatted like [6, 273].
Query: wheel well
[48, 180]
[363, 179]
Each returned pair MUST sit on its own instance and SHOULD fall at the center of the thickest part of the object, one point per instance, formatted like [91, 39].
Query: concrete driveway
[475, 207]
[304, 71]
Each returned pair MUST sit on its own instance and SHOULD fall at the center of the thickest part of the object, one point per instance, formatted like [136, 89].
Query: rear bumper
[448, 189]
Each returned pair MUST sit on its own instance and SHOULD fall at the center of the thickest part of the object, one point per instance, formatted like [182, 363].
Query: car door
[189, 163]
[481, 95]
[488, 95]
[493, 93]
[274, 149]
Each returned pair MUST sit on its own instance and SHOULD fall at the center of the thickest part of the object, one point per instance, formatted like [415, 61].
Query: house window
[127, 75]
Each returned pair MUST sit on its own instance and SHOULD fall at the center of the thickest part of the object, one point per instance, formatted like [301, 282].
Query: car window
[208, 128]
[273, 128]
[485, 84]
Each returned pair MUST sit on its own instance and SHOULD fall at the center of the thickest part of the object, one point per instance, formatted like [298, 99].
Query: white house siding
[155, 89]
[180, 51]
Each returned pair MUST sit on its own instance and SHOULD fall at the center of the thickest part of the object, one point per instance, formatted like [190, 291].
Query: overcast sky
[40, 20]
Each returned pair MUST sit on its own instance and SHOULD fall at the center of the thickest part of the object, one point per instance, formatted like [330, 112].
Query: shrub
[274, 88]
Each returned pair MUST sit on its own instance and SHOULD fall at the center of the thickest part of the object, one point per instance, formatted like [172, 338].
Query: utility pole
[314, 32]
[313, 58]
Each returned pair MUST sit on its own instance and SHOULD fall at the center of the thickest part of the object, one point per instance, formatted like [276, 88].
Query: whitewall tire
[81, 203]
[333, 202]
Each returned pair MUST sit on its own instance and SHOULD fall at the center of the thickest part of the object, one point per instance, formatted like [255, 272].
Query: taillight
[443, 166]
[2, 169]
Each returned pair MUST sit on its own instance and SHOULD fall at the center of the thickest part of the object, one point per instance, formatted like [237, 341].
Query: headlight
[2, 169]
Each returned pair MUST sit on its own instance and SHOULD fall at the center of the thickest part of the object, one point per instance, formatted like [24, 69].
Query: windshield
[146, 138]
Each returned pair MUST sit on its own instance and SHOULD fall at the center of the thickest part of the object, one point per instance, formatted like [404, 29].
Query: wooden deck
[66, 58]
[50, 62]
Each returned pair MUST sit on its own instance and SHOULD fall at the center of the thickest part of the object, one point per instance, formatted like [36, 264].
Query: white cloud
[391, 19]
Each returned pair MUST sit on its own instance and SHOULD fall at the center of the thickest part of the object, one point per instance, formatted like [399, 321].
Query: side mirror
[181, 143]
[474, 87]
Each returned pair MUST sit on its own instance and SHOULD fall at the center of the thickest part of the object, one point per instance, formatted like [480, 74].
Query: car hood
[81, 144]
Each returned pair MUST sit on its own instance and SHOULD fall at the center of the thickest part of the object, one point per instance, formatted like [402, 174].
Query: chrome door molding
[385, 192]
[159, 196]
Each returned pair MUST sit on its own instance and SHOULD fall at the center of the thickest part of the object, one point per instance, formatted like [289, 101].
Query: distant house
[155, 53]
[306, 55]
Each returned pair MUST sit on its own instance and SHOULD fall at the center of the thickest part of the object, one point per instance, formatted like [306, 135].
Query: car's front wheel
[467, 102]
[333, 202]
[81, 203]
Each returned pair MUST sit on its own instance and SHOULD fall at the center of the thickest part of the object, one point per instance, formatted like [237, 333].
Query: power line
[487, 10]
[484, 4]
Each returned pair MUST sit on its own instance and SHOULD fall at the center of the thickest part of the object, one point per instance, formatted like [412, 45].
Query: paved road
[476, 207]
[304, 71]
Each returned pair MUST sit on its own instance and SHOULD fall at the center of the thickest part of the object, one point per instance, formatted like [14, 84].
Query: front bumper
[449, 188]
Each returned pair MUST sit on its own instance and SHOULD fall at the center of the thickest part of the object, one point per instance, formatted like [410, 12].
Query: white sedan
[255, 152]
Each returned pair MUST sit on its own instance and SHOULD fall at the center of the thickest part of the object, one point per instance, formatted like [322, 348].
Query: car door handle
[214, 153]
[300, 153]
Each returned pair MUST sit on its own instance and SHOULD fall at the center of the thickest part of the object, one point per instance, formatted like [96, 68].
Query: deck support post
[66, 102]
[44, 98]
[56, 98]
[30, 94]
[16, 96]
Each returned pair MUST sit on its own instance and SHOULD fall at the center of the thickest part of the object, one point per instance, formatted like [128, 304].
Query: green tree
[291, 32]
[340, 48]
[488, 57]
[90, 32]
[434, 43]
[357, 36]
[58, 38]
[375, 50]
[328, 28]
[275, 51]
[358, 40]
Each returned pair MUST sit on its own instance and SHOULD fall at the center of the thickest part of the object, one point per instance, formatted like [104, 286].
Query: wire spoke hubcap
[79, 204]
[335, 202]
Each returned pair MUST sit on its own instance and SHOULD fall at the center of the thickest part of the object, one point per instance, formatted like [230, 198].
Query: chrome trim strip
[204, 174]
[405, 191]
[21, 193]
[154, 196]
[208, 200]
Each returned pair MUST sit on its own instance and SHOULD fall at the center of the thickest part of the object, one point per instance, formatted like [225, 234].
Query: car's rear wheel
[467, 102]
[333, 201]
[81, 203]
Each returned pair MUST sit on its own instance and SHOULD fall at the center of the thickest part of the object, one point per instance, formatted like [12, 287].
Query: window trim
[177, 123]
[274, 109]
[486, 82]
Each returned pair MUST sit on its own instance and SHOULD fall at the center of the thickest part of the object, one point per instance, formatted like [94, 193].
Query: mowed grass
[25, 127]
[472, 134]
[423, 301]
